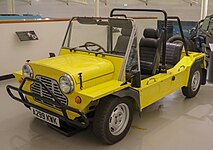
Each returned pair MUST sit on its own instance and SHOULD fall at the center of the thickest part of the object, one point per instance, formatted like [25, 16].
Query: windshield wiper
[74, 48]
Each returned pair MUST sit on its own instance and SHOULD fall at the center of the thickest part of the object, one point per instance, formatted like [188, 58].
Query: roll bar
[112, 13]
[166, 17]
[181, 32]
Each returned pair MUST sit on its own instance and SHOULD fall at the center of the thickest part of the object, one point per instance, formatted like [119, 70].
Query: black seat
[149, 52]
[151, 33]
[122, 42]
[173, 54]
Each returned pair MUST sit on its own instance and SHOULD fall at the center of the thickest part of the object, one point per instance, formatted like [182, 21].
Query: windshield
[205, 24]
[104, 35]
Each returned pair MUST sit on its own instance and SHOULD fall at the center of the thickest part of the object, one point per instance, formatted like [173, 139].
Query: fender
[200, 62]
[129, 92]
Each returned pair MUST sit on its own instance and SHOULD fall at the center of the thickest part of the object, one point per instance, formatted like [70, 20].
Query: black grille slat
[62, 100]
[37, 86]
[51, 85]
[45, 80]
[47, 95]
[58, 94]
[36, 92]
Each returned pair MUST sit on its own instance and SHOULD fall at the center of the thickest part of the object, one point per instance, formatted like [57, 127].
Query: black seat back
[151, 33]
[173, 53]
[122, 42]
[149, 52]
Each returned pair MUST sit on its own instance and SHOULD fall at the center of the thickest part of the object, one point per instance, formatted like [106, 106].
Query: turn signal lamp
[78, 100]
[20, 80]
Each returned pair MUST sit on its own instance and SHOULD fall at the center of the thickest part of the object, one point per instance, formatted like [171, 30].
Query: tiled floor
[173, 123]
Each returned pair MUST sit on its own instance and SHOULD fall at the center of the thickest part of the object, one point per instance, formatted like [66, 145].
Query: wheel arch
[129, 93]
[200, 63]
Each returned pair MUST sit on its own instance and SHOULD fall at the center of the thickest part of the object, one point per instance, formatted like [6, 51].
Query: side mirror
[193, 29]
[136, 79]
[51, 55]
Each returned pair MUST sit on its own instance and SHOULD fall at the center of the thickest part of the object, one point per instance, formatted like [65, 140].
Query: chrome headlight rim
[27, 71]
[70, 84]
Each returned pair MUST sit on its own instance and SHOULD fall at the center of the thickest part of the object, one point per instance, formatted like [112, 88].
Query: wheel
[178, 39]
[194, 83]
[112, 120]
[207, 62]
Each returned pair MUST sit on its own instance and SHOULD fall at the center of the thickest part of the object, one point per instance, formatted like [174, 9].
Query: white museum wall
[57, 8]
[14, 53]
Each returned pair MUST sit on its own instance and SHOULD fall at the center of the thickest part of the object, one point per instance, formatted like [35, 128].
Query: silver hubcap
[119, 119]
[195, 81]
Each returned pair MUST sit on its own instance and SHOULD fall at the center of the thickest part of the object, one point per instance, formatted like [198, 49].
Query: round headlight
[27, 71]
[66, 84]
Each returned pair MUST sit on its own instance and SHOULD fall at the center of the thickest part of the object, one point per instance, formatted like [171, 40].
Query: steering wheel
[91, 44]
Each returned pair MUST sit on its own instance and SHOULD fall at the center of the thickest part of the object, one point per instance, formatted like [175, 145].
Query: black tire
[207, 62]
[193, 85]
[178, 39]
[103, 116]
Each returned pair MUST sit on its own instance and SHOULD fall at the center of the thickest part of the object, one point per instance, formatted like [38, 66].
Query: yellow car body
[98, 76]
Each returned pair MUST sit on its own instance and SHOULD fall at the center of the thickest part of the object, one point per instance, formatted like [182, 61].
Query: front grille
[53, 86]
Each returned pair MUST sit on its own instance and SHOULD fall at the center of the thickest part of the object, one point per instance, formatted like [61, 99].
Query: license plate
[45, 117]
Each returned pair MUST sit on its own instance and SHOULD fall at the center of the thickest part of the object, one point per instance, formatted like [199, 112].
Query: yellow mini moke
[104, 72]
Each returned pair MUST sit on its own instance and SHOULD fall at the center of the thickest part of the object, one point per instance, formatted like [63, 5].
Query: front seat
[150, 49]
[151, 33]
[122, 42]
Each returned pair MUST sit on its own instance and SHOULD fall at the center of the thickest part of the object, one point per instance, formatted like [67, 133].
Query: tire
[112, 120]
[194, 83]
[178, 39]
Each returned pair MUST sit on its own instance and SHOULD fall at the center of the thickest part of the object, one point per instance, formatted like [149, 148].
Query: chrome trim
[150, 79]
[53, 86]
[30, 68]
[139, 64]
[71, 82]
[128, 50]
[182, 66]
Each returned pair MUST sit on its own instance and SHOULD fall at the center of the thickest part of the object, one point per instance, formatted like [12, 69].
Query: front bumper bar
[82, 121]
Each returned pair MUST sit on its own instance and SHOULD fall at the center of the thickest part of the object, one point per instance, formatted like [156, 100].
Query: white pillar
[204, 9]
[97, 7]
[11, 6]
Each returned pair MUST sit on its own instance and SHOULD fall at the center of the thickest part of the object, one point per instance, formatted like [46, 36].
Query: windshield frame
[128, 49]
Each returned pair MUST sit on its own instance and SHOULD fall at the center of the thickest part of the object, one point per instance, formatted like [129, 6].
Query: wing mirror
[136, 79]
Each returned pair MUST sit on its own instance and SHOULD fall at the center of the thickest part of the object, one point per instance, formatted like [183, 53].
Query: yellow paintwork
[163, 85]
[96, 71]
[116, 61]
[100, 78]
[18, 75]
[74, 63]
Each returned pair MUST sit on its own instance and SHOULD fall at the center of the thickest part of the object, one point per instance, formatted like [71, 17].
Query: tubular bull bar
[82, 122]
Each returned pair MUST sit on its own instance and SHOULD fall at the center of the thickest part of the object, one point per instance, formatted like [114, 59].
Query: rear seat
[173, 54]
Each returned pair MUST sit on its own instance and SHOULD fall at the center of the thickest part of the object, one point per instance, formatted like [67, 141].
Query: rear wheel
[194, 83]
[113, 118]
